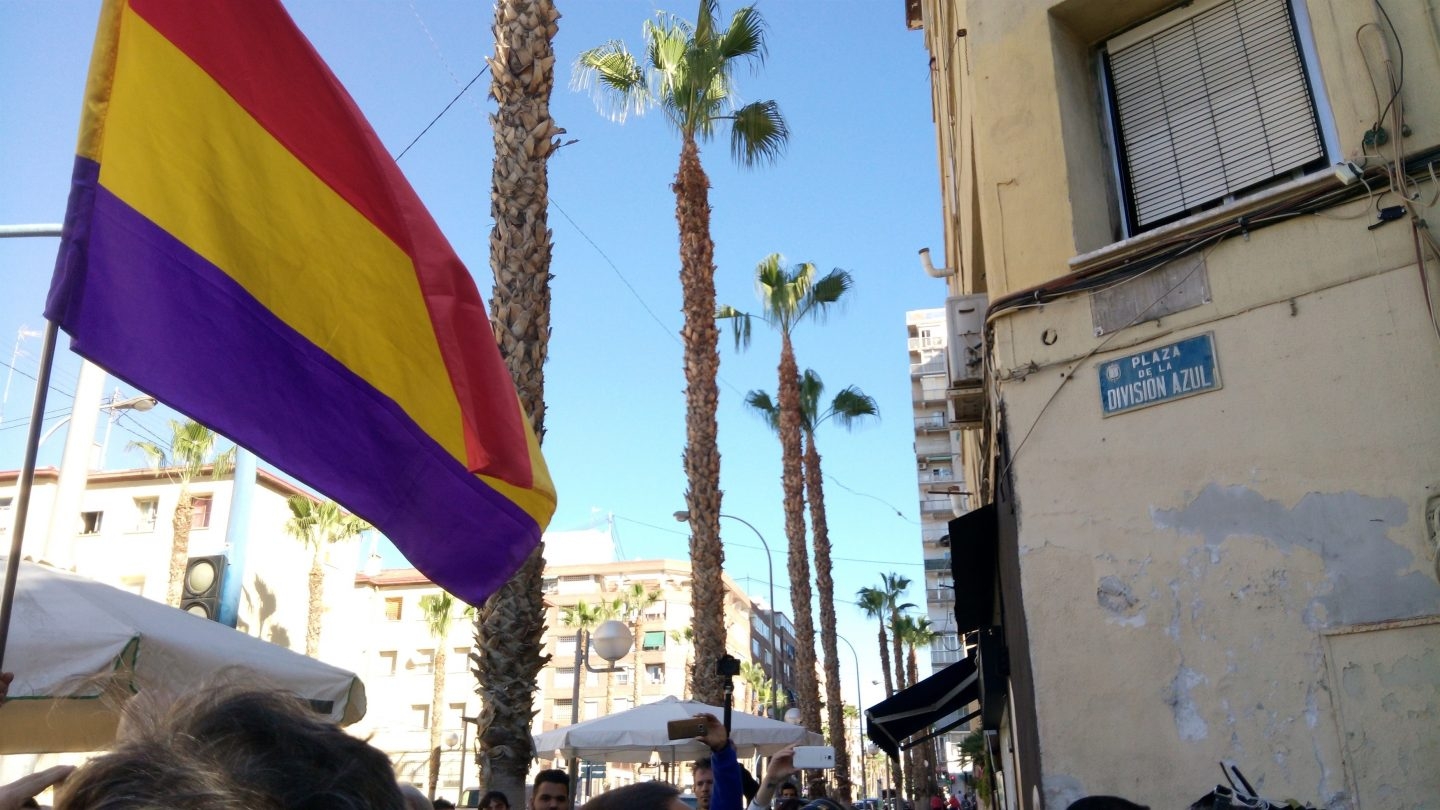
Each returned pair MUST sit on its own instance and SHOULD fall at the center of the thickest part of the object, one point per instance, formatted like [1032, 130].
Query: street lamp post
[464, 753]
[684, 517]
[860, 725]
[613, 641]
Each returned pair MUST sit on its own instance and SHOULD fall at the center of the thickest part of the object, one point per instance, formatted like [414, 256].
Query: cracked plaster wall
[1186, 567]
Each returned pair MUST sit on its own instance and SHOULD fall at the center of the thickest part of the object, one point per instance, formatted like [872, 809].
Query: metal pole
[464, 752]
[860, 724]
[26, 482]
[582, 644]
[44, 229]
[774, 643]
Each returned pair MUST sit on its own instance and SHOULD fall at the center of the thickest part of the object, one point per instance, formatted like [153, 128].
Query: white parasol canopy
[639, 734]
[72, 639]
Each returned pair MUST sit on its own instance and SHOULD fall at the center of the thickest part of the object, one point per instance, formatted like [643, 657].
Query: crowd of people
[235, 746]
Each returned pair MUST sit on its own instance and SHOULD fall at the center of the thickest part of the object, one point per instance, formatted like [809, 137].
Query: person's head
[414, 798]
[822, 803]
[789, 790]
[790, 804]
[497, 800]
[445, 804]
[639, 796]
[550, 791]
[229, 746]
[704, 782]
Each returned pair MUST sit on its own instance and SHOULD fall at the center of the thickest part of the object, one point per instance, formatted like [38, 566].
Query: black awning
[912, 710]
[974, 555]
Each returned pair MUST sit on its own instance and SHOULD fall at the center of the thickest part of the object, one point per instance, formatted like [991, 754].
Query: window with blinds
[1207, 102]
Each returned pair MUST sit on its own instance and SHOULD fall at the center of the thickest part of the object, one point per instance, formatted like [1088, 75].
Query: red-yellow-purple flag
[239, 244]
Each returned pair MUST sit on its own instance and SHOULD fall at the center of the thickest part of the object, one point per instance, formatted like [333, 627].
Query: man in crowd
[551, 791]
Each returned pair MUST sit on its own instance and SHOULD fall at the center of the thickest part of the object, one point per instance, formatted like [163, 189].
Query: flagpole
[27, 479]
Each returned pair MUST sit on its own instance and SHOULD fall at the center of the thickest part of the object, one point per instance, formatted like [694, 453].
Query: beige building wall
[130, 547]
[1248, 573]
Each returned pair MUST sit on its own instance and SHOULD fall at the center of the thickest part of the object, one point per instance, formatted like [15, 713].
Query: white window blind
[1209, 103]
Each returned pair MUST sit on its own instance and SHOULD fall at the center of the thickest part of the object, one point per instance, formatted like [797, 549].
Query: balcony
[931, 424]
[939, 595]
[935, 506]
[937, 565]
[927, 342]
[935, 365]
[944, 658]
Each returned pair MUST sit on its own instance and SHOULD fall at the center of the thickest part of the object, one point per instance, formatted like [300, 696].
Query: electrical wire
[442, 113]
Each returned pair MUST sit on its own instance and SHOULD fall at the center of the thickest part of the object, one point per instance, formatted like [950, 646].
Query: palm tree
[893, 587]
[788, 297]
[688, 71]
[685, 636]
[632, 604]
[437, 609]
[848, 407]
[192, 449]
[318, 524]
[585, 617]
[916, 632]
[883, 604]
[510, 626]
[872, 602]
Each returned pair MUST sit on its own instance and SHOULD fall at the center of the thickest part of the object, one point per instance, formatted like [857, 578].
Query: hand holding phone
[814, 757]
[689, 728]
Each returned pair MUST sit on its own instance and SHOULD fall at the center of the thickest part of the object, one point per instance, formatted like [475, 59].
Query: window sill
[1164, 236]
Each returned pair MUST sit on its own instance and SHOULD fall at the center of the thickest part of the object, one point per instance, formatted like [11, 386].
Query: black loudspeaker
[200, 591]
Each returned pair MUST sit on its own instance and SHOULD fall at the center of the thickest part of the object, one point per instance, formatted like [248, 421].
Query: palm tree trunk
[792, 484]
[701, 337]
[437, 708]
[179, 547]
[825, 584]
[510, 626]
[897, 644]
[885, 660]
[919, 785]
[316, 613]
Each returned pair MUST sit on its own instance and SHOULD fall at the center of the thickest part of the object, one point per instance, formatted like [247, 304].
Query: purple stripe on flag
[158, 315]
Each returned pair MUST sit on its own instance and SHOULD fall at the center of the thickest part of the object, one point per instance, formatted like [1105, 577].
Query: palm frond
[758, 134]
[852, 405]
[764, 407]
[155, 456]
[823, 293]
[745, 37]
[739, 322]
[811, 387]
[614, 78]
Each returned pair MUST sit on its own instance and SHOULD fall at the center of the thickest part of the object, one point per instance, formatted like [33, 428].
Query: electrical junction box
[965, 325]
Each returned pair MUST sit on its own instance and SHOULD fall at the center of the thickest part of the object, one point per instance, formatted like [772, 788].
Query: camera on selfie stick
[728, 666]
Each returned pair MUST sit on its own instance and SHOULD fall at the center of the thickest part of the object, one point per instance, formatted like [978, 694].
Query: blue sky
[857, 189]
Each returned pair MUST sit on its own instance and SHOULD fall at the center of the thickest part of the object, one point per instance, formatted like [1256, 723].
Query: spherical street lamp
[792, 716]
[612, 639]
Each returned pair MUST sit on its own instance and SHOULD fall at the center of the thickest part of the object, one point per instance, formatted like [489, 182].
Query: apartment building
[1205, 511]
[397, 652]
[119, 532]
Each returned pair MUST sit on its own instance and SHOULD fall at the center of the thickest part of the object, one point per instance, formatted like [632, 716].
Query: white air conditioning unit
[965, 320]
[924, 465]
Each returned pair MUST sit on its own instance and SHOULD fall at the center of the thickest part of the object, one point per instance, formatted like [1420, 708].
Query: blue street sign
[1158, 375]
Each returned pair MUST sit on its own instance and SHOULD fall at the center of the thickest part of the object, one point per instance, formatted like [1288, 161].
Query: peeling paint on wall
[1367, 572]
[1188, 722]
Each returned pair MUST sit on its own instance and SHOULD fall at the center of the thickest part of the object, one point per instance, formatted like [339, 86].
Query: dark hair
[702, 765]
[1105, 803]
[446, 804]
[232, 745]
[554, 776]
[793, 803]
[823, 803]
[492, 795]
[639, 796]
[790, 785]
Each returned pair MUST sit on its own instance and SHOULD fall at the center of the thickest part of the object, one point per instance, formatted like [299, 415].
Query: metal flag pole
[27, 479]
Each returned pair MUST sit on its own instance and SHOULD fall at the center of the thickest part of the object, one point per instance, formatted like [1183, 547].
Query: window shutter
[1212, 104]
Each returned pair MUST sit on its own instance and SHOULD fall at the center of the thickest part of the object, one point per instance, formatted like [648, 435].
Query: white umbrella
[635, 734]
[76, 645]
